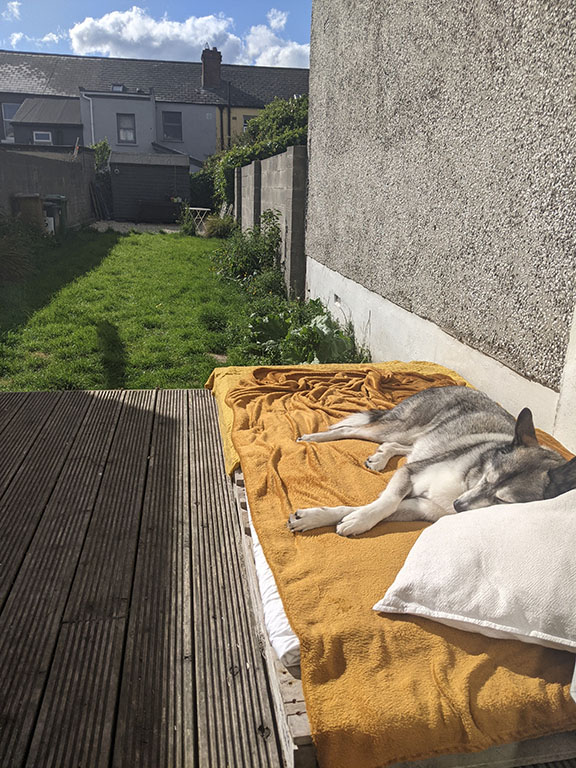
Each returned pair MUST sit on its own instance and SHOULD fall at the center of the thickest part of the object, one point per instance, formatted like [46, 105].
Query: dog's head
[518, 471]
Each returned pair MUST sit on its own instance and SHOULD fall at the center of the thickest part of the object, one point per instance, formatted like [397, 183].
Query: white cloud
[277, 19]
[12, 12]
[15, 38]
[264, 48]
[134, 33]
[51, 37]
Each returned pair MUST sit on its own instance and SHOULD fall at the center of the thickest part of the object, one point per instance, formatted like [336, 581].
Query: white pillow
[507, 571]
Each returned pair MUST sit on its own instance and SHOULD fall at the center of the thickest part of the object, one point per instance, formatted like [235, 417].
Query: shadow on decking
[125, 632]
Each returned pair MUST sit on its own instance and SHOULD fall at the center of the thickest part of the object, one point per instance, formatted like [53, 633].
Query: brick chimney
[211, 61]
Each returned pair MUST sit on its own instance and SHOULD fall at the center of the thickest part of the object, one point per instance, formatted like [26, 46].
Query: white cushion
[507, 571]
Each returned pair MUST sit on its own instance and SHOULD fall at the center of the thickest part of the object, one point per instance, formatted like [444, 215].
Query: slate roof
[51, 111]
[48, 74]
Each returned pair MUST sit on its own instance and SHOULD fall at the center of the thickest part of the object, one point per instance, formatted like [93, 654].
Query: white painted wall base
[392, 333]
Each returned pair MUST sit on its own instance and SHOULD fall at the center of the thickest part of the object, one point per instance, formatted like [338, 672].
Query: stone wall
[442, 161]
[46, 172]
[278, 183]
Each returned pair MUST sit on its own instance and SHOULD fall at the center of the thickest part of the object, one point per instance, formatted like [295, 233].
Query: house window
[8, 112]
[42, 137]
[172, 126]
[245, 120]
[126, 129]
[118, 87]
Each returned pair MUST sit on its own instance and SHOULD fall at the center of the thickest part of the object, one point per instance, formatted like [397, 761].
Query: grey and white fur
[463, 451]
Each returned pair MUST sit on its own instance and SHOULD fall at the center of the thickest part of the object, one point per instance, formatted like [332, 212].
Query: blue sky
[263, 32]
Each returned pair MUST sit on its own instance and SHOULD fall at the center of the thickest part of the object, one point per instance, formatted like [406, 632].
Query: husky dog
[464, 451]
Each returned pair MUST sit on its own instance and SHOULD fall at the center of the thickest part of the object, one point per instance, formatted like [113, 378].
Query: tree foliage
[282, 124]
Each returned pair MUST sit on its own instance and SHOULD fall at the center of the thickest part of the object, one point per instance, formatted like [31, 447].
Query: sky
[261, 32]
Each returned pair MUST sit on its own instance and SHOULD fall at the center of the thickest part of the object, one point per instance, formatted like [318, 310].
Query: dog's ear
[524, 433]
[562, 479]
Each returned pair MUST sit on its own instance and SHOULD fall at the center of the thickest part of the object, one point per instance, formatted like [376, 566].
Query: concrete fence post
[251, 194]
[238, 195]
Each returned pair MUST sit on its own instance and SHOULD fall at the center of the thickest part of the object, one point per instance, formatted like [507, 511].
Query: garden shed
[149, 187]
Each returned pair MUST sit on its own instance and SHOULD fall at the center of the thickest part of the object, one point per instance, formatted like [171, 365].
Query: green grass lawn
[104, 311]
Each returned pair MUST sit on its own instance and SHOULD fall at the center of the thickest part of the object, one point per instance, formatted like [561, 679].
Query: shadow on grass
[113, 355]
[49, 270]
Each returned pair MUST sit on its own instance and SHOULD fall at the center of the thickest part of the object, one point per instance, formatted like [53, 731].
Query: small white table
[199, 214]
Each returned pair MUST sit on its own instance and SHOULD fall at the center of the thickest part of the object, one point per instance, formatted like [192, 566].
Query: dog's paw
[305, 438]
[377, 462]
[354, 524]
[315, 517]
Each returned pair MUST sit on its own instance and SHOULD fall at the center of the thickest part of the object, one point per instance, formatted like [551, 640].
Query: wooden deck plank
[235, 722]
[156, 714]
[35, 464]
[30, 621]
[78, 712]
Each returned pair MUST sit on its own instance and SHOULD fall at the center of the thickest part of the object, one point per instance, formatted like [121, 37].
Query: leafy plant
[247, 253]
[269, 282]
[294, 332]
[101, 155]
[220, 226]
[186, 221]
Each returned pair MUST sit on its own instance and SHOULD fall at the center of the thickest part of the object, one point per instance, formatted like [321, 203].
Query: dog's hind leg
[364, 518]
[418, 509]
[359, 426]
[385, 452]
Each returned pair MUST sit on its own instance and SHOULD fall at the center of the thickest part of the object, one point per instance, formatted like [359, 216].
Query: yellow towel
[379, 690]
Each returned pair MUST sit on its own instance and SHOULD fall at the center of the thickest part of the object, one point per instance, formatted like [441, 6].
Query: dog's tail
[361, 419]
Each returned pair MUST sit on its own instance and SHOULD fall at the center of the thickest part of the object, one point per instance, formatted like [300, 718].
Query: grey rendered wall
[442, 165]
[105, 110]
[249, 206]
[198, 129]
[50, 174]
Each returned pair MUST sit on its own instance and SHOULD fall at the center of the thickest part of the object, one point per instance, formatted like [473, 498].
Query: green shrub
[247, 253]
[282, 124]
[101, 156]
[220, 226]
[292, 332]
[269, 282]
[186, 221]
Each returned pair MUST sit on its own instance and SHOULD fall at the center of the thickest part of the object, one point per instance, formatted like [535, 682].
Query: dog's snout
[459, 506]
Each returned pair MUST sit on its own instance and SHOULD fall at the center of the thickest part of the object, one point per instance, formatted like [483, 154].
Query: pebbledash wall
[442, 192]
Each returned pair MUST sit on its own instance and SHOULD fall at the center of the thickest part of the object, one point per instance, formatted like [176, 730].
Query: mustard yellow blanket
[378, 690]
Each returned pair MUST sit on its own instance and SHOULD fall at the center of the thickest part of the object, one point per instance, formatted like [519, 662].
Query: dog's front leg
[362, 519]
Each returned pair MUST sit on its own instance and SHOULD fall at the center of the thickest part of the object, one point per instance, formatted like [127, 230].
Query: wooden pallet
[287, 693]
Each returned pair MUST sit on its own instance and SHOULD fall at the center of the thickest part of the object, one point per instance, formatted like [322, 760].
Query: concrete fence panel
[278, 183]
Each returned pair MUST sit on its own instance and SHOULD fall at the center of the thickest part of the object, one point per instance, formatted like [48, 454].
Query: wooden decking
[126, 635]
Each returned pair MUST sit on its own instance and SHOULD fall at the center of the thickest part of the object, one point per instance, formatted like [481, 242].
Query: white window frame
[36, 134]
[119, 128]
[8, 129]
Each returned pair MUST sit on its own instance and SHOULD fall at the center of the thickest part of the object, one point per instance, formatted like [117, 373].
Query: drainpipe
[91, 115]
[229, 116]
[221, 110]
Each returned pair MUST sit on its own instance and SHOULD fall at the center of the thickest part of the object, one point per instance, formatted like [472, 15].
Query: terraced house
[140, 106]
